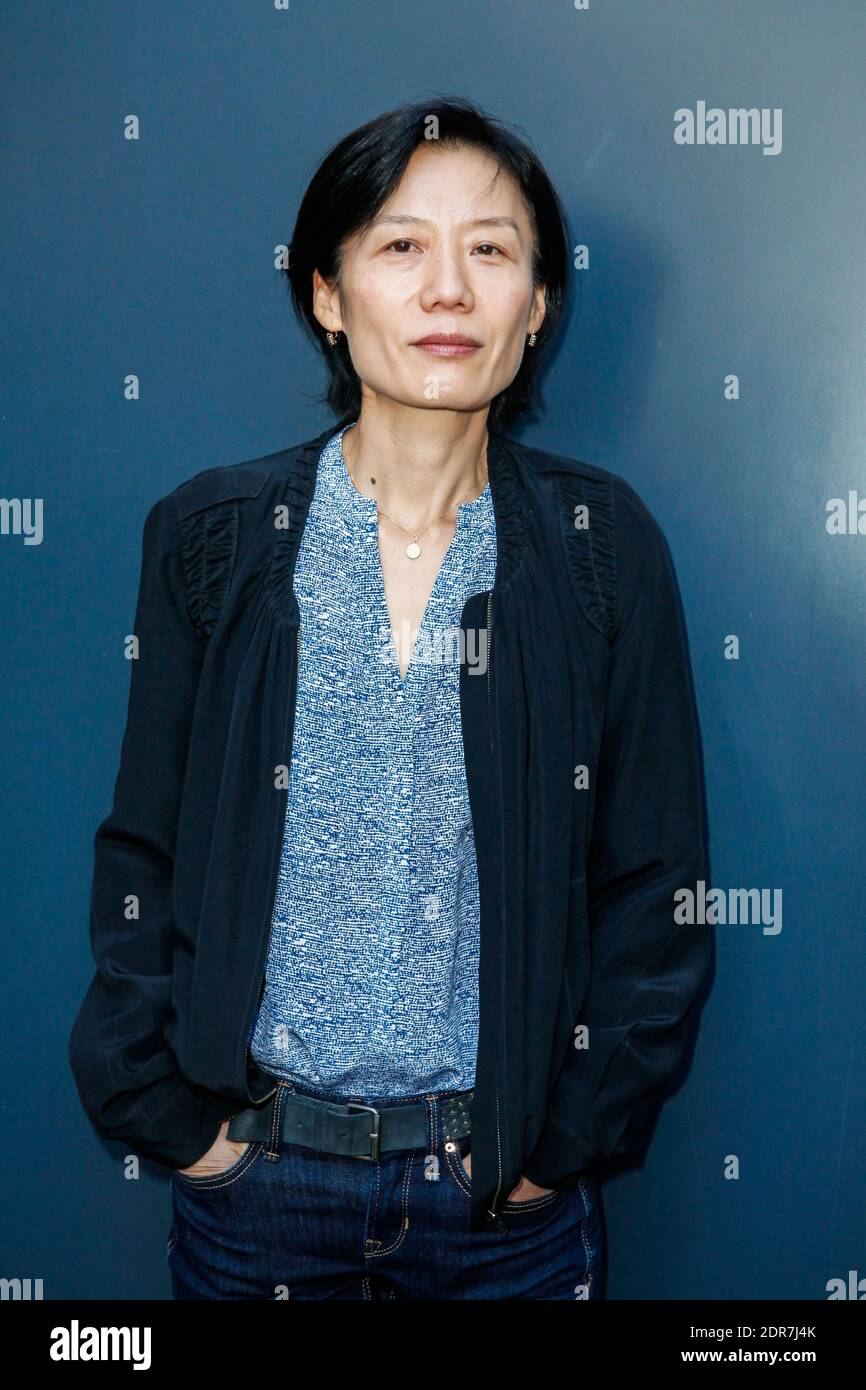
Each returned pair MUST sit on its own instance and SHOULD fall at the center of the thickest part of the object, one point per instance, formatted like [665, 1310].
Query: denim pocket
[454, 1164]
[454, 1151]
[208, 1182]
[544, 1199]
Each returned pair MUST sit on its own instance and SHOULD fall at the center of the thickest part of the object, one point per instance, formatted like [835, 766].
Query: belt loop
[273, 1153]
[431, 1162]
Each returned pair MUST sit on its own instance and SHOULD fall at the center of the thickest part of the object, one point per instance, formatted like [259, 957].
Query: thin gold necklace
[413, 549]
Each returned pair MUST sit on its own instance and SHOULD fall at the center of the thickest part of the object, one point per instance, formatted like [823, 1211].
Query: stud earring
[532, 340]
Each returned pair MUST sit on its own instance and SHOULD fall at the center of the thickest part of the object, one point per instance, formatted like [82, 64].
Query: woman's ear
[326, 304]
[538, 311]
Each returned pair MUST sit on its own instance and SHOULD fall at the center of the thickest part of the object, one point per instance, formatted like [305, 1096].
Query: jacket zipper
[490, 727]
[489, 655]
[498, 1158]
[276, 860]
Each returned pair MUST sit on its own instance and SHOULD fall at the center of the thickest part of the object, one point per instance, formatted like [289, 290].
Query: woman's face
[449, 253]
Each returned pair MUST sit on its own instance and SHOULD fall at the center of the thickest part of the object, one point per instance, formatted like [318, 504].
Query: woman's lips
[444, 347]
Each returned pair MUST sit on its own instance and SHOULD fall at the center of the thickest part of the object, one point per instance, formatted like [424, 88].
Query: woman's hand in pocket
[524, 1190]
[222, 1153]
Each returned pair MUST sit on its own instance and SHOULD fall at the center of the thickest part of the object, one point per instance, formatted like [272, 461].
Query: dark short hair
[359, 174]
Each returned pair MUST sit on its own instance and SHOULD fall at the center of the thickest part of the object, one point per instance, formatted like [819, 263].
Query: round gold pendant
[413, 550]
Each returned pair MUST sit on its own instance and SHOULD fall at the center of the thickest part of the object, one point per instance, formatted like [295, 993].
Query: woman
[384, 913]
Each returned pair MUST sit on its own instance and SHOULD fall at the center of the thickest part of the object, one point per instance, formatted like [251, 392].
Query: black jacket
[587, 667]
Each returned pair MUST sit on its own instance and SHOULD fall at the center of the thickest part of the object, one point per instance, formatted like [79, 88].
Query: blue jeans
[319, 1225]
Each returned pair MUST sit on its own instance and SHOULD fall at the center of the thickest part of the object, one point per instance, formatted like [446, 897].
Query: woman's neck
[418, 465]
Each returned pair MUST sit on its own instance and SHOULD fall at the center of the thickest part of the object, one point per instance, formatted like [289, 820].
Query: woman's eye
[485, 247]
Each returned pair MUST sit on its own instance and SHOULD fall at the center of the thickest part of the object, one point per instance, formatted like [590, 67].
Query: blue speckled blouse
[371, 983]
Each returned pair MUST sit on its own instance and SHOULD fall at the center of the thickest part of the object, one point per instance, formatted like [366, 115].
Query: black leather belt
[348, 1127]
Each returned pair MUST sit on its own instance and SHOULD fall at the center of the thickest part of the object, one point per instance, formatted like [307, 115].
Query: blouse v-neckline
[353, 503]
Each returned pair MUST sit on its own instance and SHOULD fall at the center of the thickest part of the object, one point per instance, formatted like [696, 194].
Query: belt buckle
[374, 1132]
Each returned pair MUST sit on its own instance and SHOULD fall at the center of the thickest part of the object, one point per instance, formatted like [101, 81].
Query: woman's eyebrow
[401, 218]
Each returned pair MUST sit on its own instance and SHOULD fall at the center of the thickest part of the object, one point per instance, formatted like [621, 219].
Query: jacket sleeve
[648, 840]
[126, 1075]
